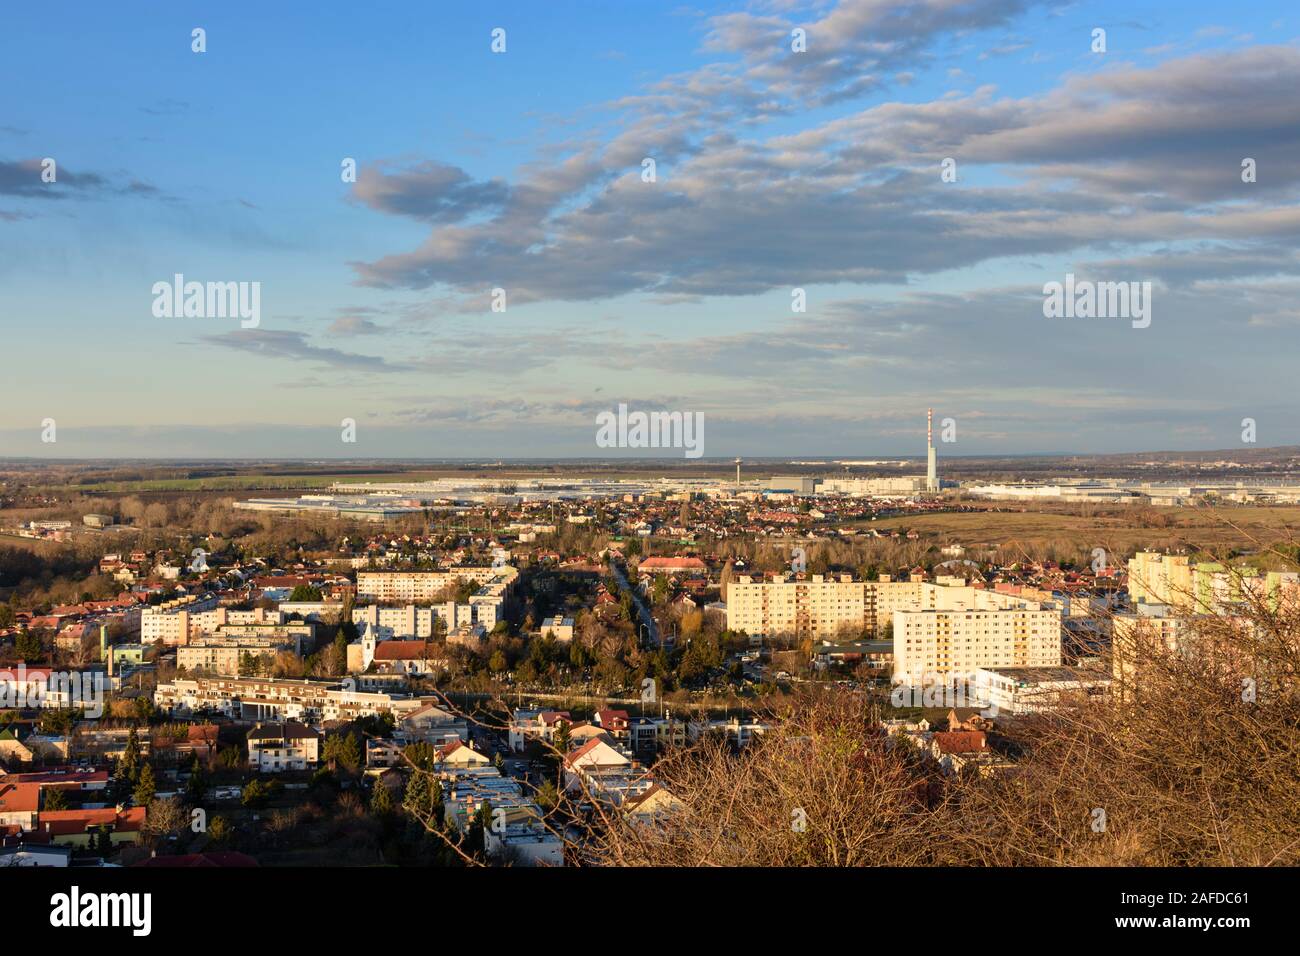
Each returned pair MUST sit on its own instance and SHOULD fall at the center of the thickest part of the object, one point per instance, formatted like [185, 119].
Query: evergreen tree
[129, 766]
[145, 787]
[547, 795]
[381, 799]
[197, 785]
[417, 800]
[28, 646]
[562, 738]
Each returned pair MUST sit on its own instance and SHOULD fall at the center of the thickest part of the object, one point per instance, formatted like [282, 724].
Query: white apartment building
[966, 629]
[211, 621]
[221, 653]
[415, 622]
[411, 622]
[820, 606]
[393, 586]
[823, 606]
[170, 622]
[268, 698]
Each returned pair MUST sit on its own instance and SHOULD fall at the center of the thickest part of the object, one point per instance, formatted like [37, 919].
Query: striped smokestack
[931, 470]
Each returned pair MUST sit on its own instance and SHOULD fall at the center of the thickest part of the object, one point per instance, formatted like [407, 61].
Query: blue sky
[522, 170]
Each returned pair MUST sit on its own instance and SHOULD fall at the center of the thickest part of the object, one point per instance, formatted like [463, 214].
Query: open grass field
[38, 545]
[1243, 528]
[227, 483]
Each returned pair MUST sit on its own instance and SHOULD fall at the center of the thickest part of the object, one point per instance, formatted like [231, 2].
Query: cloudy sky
[774, 170]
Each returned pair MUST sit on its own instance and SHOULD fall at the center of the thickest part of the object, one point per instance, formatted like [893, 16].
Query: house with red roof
[460, 754]
[408, 657]
[613, 722]
[955, 750]
[79, 827]
[20, 804]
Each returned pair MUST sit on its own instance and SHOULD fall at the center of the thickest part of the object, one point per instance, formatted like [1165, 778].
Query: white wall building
[275, 748]
[968, 629]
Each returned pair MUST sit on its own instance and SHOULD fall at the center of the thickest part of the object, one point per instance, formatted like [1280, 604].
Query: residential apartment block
[827, 607]
[266, 698]
[965, 629]
[222, 654]
[415, 622]
[422, 585]
[1203, 587]
[170, 622]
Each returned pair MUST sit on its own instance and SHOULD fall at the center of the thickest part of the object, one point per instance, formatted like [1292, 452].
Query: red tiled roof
[404, 651]
[65, 780]
[12, 674]
[20, 797]
[68, 610]
[69, 822]
[611, 717]
[960, 741]
[666, 564]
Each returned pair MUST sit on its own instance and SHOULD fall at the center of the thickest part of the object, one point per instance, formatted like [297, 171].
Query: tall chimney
[931, 471]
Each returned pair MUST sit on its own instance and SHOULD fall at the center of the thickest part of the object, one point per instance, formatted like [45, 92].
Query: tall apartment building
[1155, 578]
[211, 621]
[1202, 587]
[822, 607]
[171, 622]
[415, 622]
[221, 653]
[396, 623]
[974, 629]
[817, 607]
[422, 585]
[1153, 630]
